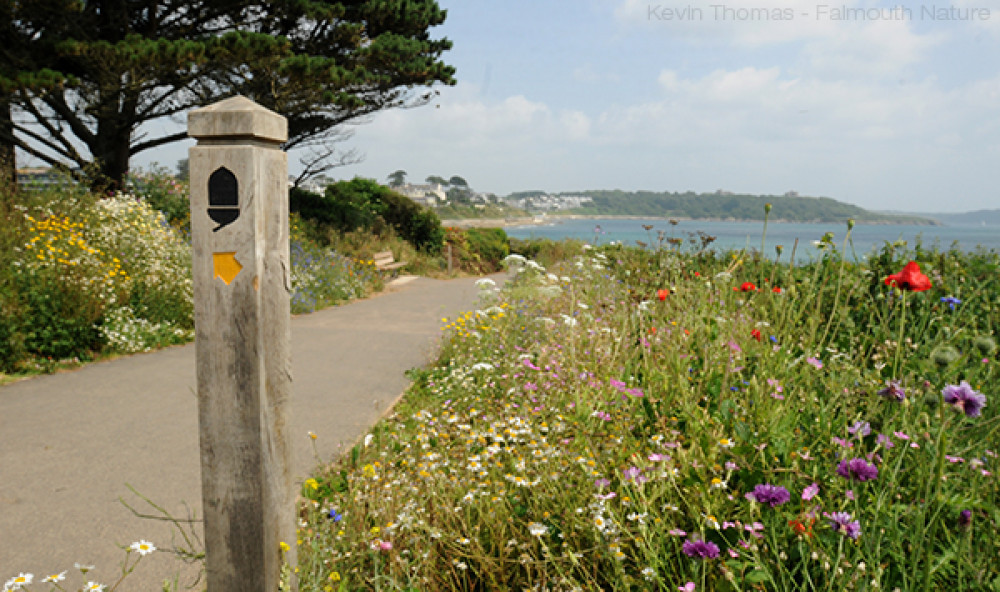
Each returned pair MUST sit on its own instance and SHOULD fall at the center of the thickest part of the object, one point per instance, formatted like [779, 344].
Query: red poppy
[755, 334]
[662, 294]
[748, 287]
[776, 290]
[909, 279]
[696, 274]
[801, 528]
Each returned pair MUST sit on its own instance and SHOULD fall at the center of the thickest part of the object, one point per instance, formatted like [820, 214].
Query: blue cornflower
[335, 515]
[951, 301]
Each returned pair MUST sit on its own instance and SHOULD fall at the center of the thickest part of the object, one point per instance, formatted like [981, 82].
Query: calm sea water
[737, 235]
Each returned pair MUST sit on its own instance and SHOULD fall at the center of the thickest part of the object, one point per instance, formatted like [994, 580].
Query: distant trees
[735, 207]
[434, 179]
[397, 179]
[457, 181]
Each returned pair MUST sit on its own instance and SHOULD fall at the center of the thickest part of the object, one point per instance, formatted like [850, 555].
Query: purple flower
[700, 549]
[765, 493]
[893, 391]
[843, 523]
[965, 518]
[857, 469]
[810, 492]
[860, 429]
[963, 398]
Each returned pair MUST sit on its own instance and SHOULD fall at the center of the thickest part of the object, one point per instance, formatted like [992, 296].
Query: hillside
[725, 206]
[975, 218]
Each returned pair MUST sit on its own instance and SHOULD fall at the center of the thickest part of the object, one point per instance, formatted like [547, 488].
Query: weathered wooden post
[239, 233]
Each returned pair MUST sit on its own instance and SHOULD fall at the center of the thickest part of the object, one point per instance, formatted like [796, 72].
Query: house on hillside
[426, 195]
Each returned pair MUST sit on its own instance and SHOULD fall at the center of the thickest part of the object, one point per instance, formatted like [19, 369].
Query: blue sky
[887, 109]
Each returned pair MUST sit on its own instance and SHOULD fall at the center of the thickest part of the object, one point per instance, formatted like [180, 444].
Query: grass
[640, 419]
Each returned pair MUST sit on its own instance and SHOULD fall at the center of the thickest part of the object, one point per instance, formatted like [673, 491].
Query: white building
[427, 195]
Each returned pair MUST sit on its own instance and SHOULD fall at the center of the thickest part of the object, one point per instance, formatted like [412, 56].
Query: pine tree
[89, 73]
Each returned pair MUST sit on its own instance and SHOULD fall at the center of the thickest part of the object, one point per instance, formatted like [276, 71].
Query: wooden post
[449, 259]
[239, 235]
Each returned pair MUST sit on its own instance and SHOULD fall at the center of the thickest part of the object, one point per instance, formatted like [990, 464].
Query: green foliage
[163, 192]
[478, 250]
[489, 244]
[364, 204]
[727, 207]
[546, 251]
[91, 74]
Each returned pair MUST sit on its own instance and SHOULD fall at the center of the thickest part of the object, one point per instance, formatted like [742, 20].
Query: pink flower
[810, 492]
[814, 362]
[689, 587]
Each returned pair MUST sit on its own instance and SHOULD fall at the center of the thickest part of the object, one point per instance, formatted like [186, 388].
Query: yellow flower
[284, 547]
[335, 577]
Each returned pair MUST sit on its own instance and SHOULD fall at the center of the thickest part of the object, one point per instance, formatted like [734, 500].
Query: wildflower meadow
[660, 419]
[86, 276]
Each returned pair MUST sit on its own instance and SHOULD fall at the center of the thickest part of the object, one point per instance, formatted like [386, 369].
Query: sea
[865, 239]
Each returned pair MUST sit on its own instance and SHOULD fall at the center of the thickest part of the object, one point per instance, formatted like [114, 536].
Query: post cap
[237, 117]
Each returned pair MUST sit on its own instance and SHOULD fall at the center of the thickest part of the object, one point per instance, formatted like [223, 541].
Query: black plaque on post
[223, 198]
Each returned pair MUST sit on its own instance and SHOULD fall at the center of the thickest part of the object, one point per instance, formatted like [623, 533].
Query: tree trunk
[8, 170]
[111, 155]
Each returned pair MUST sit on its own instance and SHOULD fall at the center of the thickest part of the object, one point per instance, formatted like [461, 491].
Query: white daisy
[143, 547]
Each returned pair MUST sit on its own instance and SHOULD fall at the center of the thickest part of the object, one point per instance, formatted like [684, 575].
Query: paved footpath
[70, 442]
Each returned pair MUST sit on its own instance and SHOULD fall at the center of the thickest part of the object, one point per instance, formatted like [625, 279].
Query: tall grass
[642, 419]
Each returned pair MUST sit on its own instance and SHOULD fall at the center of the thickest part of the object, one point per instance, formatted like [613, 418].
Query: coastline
[544, 220]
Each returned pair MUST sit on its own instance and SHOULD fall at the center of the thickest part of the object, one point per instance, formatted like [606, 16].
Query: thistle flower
[963, 398]
[965, 518]
[944, 355]
[699, 549]
[985, 344]
[857, 469]
[773, 495]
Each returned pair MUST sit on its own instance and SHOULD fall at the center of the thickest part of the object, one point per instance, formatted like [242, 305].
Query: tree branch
[157, 142]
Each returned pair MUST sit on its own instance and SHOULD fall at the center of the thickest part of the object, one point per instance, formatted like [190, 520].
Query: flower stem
[902, 325]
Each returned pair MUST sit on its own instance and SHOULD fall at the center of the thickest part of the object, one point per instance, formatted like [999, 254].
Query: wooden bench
[384, 261]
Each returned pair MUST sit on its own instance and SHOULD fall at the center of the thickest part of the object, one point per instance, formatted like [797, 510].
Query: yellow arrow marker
[226, 266]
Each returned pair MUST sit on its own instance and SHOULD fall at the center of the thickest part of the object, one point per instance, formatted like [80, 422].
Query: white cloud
[764, 130]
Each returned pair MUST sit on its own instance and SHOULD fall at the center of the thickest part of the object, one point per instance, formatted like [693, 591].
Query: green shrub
[490, 244]
[61, 319]
[163, 192]
[361, 204]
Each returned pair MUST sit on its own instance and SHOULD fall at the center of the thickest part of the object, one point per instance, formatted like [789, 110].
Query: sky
[871, 103]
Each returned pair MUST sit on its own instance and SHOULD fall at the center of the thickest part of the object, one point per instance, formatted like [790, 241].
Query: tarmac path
[70, 442]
